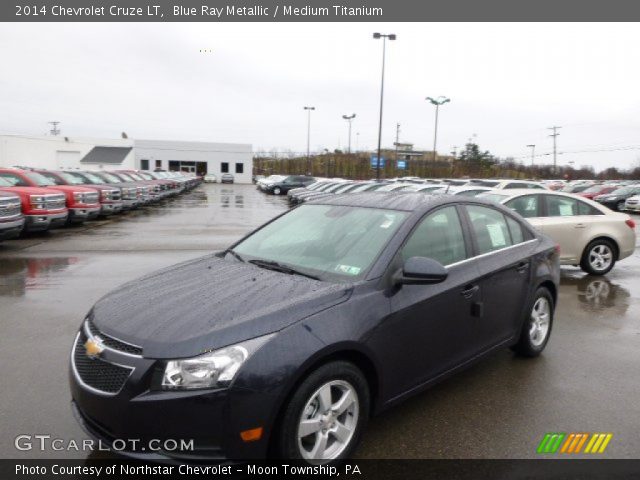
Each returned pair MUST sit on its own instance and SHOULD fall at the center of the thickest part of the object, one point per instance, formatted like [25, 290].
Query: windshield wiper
[232, 252]
[278, 267]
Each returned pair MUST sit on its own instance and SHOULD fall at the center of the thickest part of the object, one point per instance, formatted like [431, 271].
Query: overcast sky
[507, 84]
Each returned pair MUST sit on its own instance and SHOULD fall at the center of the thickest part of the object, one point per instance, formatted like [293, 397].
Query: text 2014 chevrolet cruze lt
[286, 343]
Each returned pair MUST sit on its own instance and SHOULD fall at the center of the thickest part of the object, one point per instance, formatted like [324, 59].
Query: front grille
[90, 198]
[632, 202]
[9, 209]
[54, 202]
[113, 343]
[95, 373]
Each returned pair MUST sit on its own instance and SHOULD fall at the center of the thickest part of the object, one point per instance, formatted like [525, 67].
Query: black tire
[526, 346]
[286, 441]
[620, 206]
[588, 266]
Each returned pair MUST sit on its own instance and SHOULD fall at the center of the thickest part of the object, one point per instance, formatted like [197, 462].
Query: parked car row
[34, 200]
[224, 178]
[590, 234]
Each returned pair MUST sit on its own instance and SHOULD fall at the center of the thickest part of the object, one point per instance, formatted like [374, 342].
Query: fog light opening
[252, 435]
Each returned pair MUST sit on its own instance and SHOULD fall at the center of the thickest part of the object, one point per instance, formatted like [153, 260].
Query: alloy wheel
[600, 257]
[540, 317]
[328, 422]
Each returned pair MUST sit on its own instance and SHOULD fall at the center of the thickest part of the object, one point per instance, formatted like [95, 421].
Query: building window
[158, 163]
[239, 167]
[144, 164]
[224, 167]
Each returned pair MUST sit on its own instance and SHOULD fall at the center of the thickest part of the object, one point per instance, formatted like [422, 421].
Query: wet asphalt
[587, 380]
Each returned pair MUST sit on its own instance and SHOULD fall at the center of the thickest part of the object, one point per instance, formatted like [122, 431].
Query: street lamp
[533, 152]
[377, 36]
[437, 102]
[309, 137]
[349, 118]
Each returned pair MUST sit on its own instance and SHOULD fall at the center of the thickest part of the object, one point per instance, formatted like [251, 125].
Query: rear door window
[490, 229]
[528, 206]
[558, 206]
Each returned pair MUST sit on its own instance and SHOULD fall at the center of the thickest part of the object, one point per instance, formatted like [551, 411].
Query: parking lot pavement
[586, 380]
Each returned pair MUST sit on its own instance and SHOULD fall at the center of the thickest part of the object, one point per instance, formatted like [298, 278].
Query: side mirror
[421, 271]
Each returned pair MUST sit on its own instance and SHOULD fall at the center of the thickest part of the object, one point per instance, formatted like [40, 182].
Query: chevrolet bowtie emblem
[93, 347]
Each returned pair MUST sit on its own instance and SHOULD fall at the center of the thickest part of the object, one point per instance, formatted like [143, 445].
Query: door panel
[504, 266]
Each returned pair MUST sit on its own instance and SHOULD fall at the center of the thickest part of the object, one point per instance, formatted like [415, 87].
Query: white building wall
[160, 152]
[55, 152]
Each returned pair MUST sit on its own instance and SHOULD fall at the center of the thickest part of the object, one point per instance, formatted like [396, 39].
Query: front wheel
[324, 419]
[537, 326]
[277, 191]
[598, 258]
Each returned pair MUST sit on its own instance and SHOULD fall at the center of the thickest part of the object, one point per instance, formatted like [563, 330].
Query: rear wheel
[325, 417]
[599, 257]
[537, 326]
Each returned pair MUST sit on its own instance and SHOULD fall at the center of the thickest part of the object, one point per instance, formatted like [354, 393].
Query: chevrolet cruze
[286, 343]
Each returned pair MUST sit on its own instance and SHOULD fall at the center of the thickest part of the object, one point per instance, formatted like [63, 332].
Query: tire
[620, 206]
[599, 257]
[277, 191]
[337, 378]
[536, 329]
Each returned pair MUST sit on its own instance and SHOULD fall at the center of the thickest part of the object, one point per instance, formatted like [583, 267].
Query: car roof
[404, 201]
[519, 192]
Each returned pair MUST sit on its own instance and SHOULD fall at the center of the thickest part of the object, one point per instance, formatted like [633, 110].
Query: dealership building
[63, 152]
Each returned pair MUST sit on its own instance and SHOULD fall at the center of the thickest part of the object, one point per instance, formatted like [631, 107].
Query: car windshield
[332, 243]
[39, 180]
[73, 179]
[626, 191]
[493, 197]
[110, 178]
[54, 178]
[93, 178]
[594, 189]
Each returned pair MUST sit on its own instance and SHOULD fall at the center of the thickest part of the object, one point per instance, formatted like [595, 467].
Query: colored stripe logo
[574, 443]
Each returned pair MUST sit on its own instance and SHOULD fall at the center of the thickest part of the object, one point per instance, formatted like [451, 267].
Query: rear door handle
[522, 267]
[469, 291]
[580, 225]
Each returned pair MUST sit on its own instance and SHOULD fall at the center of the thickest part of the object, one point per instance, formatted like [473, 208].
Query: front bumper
[632, 207]
[110, 208]
[11, 228]
[130, 204]
[80, 215]
[212, 419]
[46, 221]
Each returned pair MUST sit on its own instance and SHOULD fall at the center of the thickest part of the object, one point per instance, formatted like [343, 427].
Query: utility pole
[437, 102]
[349, 118]
[555, 152]
[397, 141]
[377, 36]
[455, 152]
[54, 128]
[533, 152]
[309, 109]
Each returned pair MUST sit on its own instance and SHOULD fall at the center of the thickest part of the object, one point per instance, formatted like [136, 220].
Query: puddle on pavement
[18, 275]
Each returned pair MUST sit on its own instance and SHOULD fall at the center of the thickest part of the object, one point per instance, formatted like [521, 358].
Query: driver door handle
[469, 291]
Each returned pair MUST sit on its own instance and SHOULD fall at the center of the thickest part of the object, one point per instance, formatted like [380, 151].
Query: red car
[597, 190]
[43, 208]
[83, 203]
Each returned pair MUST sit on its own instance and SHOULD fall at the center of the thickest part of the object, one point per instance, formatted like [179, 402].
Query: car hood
[32, 190]
[208, 303]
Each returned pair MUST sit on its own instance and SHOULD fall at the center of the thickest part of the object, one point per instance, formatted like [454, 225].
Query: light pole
[533, 152]
[349, 118]
[437, 102]
[390, 36]
[308, 109]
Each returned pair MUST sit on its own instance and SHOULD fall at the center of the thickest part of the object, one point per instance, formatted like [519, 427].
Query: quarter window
[516, 230]
[586, 209]
[527, 206]
[558, 206]
[490, 228]
[438, 236]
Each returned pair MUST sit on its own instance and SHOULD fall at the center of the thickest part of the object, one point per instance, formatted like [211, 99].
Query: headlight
[212, 370]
